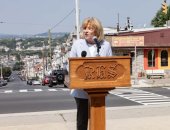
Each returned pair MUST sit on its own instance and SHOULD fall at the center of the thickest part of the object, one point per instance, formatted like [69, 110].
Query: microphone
[83, 54]
[96, 41]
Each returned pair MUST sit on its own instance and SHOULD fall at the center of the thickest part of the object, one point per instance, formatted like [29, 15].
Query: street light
[164, 7]
[1, 70]
[77, 18]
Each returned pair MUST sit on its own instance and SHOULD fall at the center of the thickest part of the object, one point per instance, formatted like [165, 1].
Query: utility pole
[136, 72]
[118, 27]
[20, 61]
[153, 53]
[43, 61]
[49, 42]
[77, 19]
[1, 70]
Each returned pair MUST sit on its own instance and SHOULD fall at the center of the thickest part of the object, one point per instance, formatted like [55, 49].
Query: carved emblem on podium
[91, 71]
[99, 72]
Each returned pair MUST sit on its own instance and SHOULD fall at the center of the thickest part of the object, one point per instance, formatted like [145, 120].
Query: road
[18, 97]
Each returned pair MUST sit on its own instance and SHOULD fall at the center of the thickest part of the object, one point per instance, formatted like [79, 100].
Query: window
[151, 58]
[164, 58]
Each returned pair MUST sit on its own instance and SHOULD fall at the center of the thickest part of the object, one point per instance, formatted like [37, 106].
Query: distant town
[35, 55]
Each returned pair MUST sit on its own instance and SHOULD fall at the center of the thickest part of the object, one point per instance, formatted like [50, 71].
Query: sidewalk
[144, 82]
[118, 118]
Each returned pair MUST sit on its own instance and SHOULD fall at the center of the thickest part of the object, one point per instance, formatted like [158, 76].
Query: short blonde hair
[96, 25]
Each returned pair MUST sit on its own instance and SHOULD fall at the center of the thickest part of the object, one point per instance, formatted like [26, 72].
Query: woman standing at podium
[91, 44]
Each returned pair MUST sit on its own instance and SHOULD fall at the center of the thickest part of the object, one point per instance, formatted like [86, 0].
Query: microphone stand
[98, 49]
[97, 44]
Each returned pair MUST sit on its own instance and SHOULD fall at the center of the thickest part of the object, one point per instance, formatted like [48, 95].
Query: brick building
[152, 47]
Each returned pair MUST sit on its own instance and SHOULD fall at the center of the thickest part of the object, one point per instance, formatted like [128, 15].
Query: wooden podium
[97, 76]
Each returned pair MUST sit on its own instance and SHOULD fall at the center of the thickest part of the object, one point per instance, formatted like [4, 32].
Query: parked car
[45, 80]
[57, 77]
[7, 79]
[29, 81]
[3, 82]
[35, 82]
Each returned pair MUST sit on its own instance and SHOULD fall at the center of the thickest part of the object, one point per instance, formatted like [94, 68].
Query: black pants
[82, 113]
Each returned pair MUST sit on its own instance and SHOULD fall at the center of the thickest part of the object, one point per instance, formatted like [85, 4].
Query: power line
[2, 22]
[63, 19]
[22, 23]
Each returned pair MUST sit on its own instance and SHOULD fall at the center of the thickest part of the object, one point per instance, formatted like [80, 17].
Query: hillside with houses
[35, 55]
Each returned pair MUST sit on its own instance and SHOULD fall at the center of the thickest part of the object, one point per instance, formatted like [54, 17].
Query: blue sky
[37, 16]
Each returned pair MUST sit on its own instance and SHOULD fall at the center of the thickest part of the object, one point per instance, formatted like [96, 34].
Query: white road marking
[8, 91]
[140, 96]
[34, 90]
[37, 90]
[23, 90]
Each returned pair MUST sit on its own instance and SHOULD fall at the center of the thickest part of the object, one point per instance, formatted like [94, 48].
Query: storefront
[152, 47]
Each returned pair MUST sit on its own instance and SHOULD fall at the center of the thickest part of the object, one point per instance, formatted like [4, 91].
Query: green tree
[6, 71]
[168, 13]
[18, 57]
[160, 19]
[18, 66]
[10, 43]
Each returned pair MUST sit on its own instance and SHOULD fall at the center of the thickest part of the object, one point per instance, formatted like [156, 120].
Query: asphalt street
[18, 97]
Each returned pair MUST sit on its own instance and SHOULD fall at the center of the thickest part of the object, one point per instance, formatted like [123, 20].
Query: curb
[150, 85]
[74, 110]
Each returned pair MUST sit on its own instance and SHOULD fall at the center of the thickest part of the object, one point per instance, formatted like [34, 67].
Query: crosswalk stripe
[52, 90]
[23, 90]
[166, 87]
[33, 90]
[157, 103]
[147, 101]
[140, 96]
[8, 91]
[64, 89]
[37, 90]
[151, 98]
